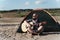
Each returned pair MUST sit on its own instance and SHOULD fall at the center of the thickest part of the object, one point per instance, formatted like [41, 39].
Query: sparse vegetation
[23, 12]
[54, 12]
[15, 13]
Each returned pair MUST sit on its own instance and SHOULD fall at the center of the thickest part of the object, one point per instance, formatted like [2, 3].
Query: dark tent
[43, 16]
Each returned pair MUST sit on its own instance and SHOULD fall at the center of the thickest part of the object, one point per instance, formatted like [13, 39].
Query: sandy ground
[8, 32]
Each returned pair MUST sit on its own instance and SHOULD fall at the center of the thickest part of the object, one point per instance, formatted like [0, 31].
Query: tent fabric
[43, 16]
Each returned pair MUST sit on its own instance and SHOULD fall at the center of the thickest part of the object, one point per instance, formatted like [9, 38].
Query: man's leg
[40, 29]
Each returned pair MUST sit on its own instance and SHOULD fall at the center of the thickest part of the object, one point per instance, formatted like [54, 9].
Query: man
[33, 26]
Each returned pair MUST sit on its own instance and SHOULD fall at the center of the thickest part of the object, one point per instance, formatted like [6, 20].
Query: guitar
[25, 25]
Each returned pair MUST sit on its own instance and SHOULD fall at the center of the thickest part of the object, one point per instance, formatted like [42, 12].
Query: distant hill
[23, 12]
[15, 10]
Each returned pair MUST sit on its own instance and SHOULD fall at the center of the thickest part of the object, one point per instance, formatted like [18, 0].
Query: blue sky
[28, 4]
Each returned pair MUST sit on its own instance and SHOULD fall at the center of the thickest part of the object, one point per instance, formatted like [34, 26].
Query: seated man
[33, 26]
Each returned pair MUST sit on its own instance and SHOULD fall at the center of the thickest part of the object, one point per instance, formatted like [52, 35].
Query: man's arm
[41, 25]
[40, 28]
[28, 26]
[30, 30]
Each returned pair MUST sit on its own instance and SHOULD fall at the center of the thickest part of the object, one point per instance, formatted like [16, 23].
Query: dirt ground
[8, 32]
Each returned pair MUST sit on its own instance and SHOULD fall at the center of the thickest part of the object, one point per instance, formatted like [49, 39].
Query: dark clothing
[30, 20]
[35, 23]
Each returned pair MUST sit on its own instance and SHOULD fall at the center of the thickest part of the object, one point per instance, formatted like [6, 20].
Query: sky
[28, 4]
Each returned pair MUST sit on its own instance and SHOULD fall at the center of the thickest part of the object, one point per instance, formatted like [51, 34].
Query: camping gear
[43, 16]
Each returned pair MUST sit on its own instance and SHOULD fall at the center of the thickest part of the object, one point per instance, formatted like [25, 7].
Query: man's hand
[35, 32]
[44, 22]
[32, 31]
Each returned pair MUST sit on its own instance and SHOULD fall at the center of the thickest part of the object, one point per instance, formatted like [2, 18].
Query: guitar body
[25, 25]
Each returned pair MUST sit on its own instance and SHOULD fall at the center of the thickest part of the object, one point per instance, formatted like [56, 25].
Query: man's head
[35, 16]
